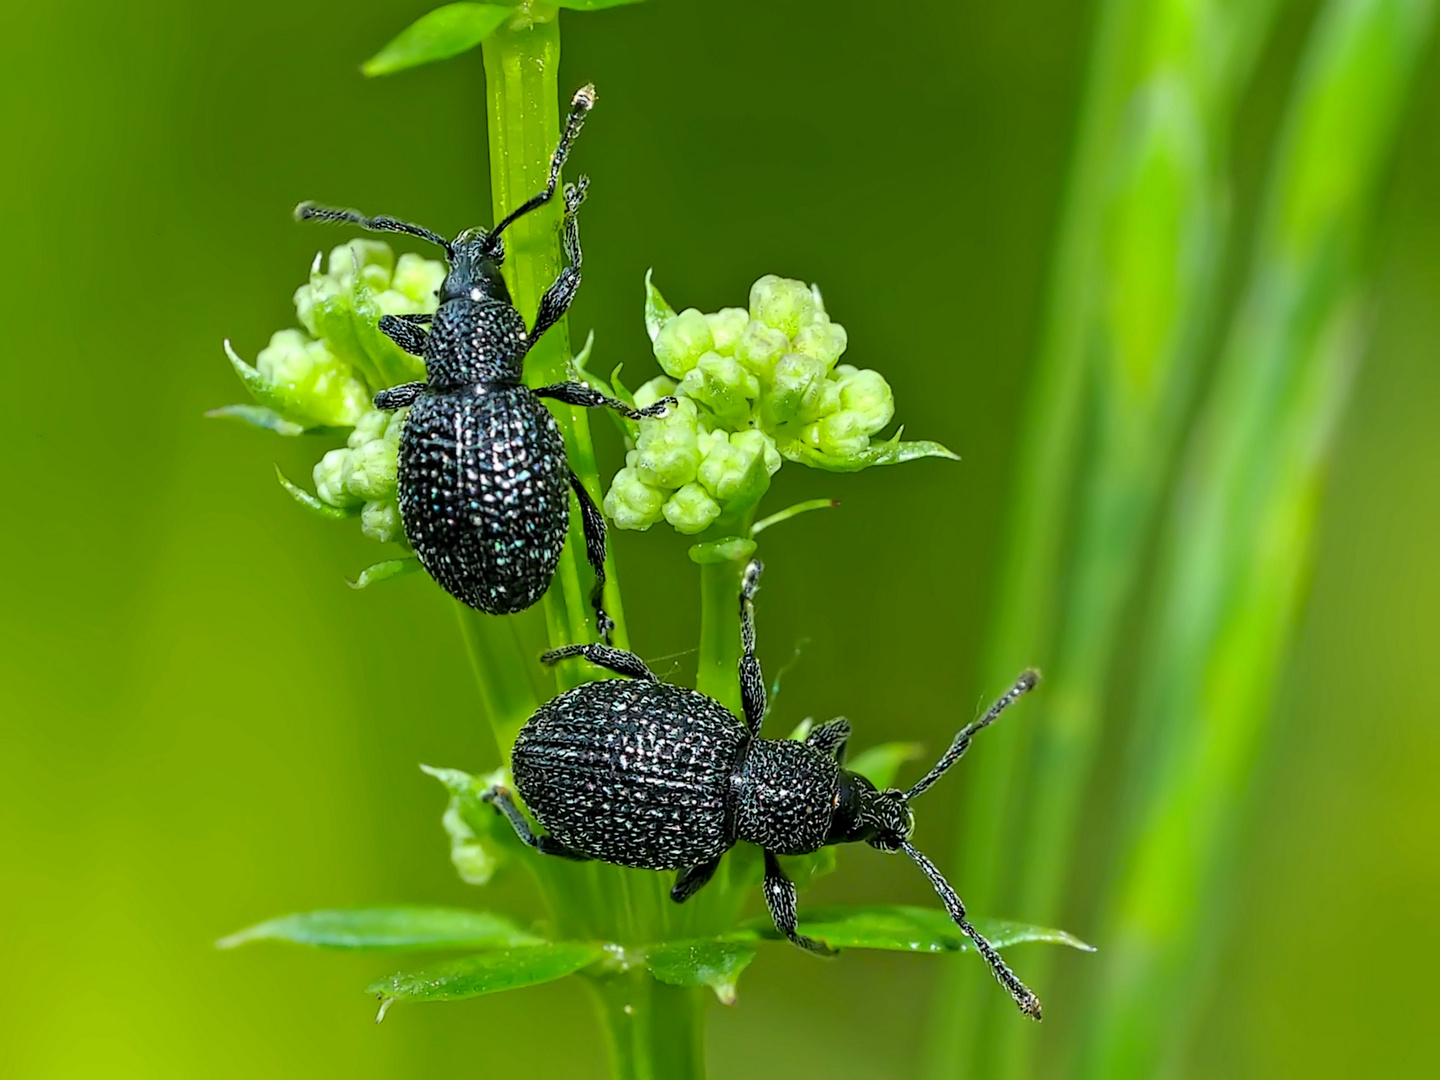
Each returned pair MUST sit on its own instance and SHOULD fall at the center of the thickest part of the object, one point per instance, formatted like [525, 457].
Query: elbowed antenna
[308, 211]
[1026, 682]
[955, 907]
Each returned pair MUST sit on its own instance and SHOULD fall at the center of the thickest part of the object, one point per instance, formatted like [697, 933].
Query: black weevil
[482, 475]
[645, 774]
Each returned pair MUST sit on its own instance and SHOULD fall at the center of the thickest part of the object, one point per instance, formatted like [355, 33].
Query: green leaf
[702, 962]
[388, 928]
[909, 929]
[890, 452]
[730, 549]
[592, 5]
[879, 764]
[486, 973]
[384, 571]
[657, 311]
[480, 840]
[257, 416]
[445, 32]
[313, 503]
[793, 511]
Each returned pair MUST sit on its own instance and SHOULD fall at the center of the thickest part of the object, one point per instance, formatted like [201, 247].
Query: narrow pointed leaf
[445, 32]
[890, 452]
[793, 511]
[701, 962]
[657, 311]
[911, 929]
[388, 928]
[313, 503]
[384, 571]
[880, 764]
[257, 416]
[487, 973]
[593, 5]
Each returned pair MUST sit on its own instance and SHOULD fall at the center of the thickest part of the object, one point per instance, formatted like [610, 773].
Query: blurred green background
[202, 726]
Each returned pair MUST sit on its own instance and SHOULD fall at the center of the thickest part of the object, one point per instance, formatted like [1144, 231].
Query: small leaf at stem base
[487, 973]
[701, 962]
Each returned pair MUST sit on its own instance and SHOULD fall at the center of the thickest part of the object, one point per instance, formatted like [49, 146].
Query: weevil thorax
[863, 813]
[785, 796]
[477, 335]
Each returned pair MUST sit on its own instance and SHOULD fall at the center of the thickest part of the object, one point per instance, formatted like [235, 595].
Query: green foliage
[486, 973]
[388, 928]
[445, 32]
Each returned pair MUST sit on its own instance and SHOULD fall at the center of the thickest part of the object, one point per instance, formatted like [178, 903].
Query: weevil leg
[690, 881]
[504, 801]
[752, 682]
[580, 106]
[561, 292]
[616, 660]
[780, 899]
[405, 332]
[398, 397]
[574, 393]
[831, 738]
[593, 523]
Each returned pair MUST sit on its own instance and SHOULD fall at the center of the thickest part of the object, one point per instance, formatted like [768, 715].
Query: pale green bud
[653, 391]
[419, 280]
[735, 466]
[822, 339]
[371, 425]
[691, 509]
[682, 341]
[726, 326]
[372, 260]
[722, 384]
[868, 396]
[381, 521]
[310, 381]
[759, 347]
[783, 304]
[666, 450]
[371, 473]
[797, 384]
[329, 474]
[757, 442]
[631, 503]
[842, 435]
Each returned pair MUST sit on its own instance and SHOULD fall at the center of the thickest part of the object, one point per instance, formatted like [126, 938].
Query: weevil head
[475, 260]
[881, 819]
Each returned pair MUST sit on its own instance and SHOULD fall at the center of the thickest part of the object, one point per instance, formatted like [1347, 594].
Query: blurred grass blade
[593, 5]
[910, 929]
[486, 973]
[880, 764]
[388, 928]
[1241, 534]
[445, 32]
[705, 962]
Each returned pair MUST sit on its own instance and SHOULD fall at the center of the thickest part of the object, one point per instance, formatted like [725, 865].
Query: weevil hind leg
[503, 800]
[690, 881]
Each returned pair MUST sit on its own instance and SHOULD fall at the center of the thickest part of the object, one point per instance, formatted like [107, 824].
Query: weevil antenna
[1025, 683]
[308, 211]
[1023, 995]
[580, 106]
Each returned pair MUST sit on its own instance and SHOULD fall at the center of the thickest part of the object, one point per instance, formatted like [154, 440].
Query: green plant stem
[716, 674]
[651, 1030]
[500, 666]
[1242, 533]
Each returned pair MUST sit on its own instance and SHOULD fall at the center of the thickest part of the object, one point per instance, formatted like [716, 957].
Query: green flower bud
[666, 451]
[736, 467]
[842, 435]
[371, 425]
[759, 347]
[726, 326]
[372, 260]
[722, 384]
[371, 472]
[330, 474]
[691, 509]
[822, 339]
[381, 521]
[798, 383]
[631, 503]
[783, 304]
[310, 382]
[682, 341]
[867, 395]
[418, 279]
[653, 391]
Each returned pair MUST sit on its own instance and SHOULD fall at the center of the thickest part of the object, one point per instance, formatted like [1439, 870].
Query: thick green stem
[652, 1030]
[500, 665]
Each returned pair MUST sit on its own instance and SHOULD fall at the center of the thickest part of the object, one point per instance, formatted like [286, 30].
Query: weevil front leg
[780, 899]
[616, 660]
[501, 798]
[561, 293]
[574, 393]
[831, 738]
[593, 524]
[752, 680]
[406, 331]
[399, 397]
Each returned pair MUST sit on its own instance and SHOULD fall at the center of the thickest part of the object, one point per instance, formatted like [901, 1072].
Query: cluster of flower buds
[755, 387]
[323, 378]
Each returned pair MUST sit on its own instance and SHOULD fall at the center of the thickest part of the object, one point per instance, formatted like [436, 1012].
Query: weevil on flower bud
[482, 477]
[640, 773]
